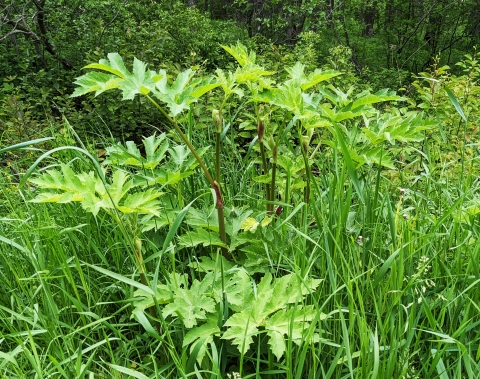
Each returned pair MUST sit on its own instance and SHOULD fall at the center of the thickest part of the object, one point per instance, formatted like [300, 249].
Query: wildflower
[360, 240]
[441, 297]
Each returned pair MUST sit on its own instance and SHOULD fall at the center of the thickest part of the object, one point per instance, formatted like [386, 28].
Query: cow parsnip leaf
[90, 191]
[141, 81]
[241, 54]
[130, 155]
[238, 289]
[293, 324]
[240, 329]
[289, 96]
[142, 202]
[209, 265]
[202, 334]
[190, 306]
[200, 237]
[269, 309]
[113, 65]
[298, 76]
[144, 300]
[182, 93]
[97, 82]
[229, 84]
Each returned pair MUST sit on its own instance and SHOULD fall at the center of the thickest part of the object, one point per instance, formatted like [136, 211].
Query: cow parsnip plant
[276, 307]
[298, 108]
[229, 301]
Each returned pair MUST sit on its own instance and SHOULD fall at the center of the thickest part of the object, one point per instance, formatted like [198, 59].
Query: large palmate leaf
[202, 335]
[298, 76]
[267, 310]
[178, 96]
[288, 96]
[253, 73]
[274, 304]
[93, 194]
[183, 91]
[155, 149]
[241, 54]
[97, 82]
[407, 128]
[190, 305]
[140, 81]
[200, 237]
[228, 83]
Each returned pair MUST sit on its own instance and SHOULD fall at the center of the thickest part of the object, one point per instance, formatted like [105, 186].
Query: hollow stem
[217, 158]
[214, 184]
[274, 174]
[304, 142]
[265, 170]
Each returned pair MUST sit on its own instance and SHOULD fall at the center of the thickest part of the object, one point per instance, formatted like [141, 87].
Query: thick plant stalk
[217, 118]
[304, 141]
[144, 280]
[215, 186]
[261, 133]
[274, 174]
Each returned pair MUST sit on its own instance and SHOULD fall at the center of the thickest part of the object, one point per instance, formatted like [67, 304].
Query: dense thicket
[44, 44]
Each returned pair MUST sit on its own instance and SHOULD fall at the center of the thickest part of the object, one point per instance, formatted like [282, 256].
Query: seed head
[260, 130]
[217, 118]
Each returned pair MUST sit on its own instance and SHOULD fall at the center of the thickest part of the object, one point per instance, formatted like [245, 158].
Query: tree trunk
[369, 14]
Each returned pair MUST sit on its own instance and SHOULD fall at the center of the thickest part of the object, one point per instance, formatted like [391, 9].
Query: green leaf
[97, 82]
[203, 218]
[139, 82]
[292, 323]
[241, 329]
[240, 53]
[207, 264]
[129, 372]
[297, 75]
[122, 278]
[200, 237]
[155, 149]
[190, 306]
[239, 290]
[252, 73]
[455, 103]
[289, 97]
[120, 186]
[228, 84]
[202, 334]
[144, 300]
[90, 191]
[319, 76]
[142, 202]
[114, 65]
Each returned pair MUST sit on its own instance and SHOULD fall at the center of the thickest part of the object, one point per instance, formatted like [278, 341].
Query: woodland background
[44, 45]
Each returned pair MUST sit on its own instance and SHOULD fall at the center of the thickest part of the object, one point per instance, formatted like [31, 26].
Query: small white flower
[440, 296]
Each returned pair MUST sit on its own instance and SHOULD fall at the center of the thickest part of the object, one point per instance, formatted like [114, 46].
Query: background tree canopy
[44, 44]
